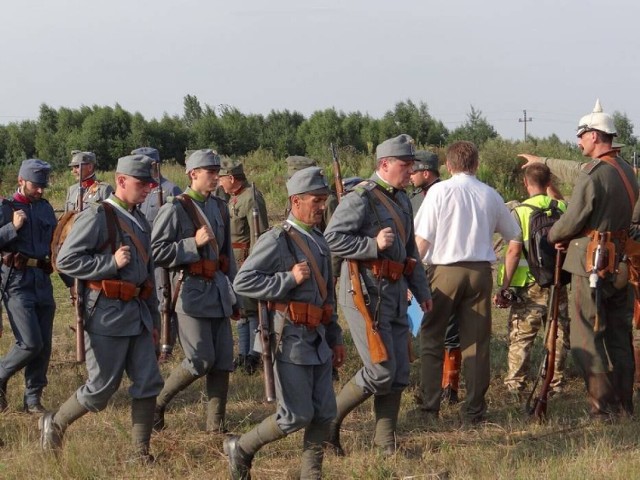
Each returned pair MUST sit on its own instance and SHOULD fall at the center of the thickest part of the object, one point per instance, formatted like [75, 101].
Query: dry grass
[509, 446]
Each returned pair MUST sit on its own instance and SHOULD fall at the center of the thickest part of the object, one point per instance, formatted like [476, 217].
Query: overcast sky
[550, 57]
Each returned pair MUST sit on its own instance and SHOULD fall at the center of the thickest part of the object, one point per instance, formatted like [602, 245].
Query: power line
[525, 120]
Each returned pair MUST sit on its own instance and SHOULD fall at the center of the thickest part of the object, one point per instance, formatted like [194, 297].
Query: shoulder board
[364, 186]
[590, 166]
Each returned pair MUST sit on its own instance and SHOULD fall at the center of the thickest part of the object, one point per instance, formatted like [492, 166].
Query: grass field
[97, 446]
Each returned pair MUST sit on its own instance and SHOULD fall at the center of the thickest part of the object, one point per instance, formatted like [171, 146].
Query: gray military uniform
[351, 235]
[118, 334]
[302, 355]
[94, 191]
[203, 306]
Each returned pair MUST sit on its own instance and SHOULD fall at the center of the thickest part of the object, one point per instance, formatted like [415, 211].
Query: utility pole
[525, 120]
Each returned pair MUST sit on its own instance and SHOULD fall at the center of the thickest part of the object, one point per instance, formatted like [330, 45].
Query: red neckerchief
[88, 182]
[153, 185]
[234, 195]
[19, 197]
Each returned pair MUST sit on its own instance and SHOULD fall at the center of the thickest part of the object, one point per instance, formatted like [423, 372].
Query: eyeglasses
[582, 129]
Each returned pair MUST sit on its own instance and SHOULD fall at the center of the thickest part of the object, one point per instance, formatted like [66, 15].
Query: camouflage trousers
[526, 318]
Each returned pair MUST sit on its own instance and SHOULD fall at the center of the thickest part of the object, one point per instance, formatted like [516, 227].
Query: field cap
[308, 180]
[205, 158]
[297, 162]
[150, 152]
[82, 157]
[400, 146]
[230, 167]
[426, 160]
[596, 120]
[36, 171]
[138, 166]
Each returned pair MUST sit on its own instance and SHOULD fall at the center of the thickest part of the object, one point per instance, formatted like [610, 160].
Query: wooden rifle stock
[539, 409]
[263, 316]
[79, 285]
[377, 350]
[166, 310]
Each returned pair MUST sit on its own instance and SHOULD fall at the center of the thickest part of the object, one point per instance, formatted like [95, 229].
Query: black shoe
[158, 419]
[333, 443]
[3, 395]
[34, 408]
[251, 364]
[238, 362]
[335, 374]
[239, 462]
[450, 396]
[50, 433]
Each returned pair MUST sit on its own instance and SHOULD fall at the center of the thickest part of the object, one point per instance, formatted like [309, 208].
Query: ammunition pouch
[203, 268]
[389, 269]
[122, 290]
[19, 262]
[302, 313]
[241, 251]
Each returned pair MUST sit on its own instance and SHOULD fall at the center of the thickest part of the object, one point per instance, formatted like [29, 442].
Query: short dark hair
[538, 174]
[604, 137]
[462, 156]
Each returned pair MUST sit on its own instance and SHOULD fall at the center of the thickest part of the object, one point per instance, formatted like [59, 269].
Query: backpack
[540, 254]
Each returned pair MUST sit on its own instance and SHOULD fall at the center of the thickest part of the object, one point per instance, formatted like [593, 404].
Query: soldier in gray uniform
[373, 225]
[149, 209]
[290, 268]
[27, 222]
[108, 248]
[94, 189]
[235, 184]
[191, 236]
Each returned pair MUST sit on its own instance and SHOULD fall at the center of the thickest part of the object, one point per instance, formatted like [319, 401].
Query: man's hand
[501, 300]
[19, 217]
[204, 235]
[301, 272]
[427, 305]
[385, 238]
[338, 356]
[123, 256]
[530, 159]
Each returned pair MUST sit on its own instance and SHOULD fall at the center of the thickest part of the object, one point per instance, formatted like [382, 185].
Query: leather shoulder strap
[627, 185]
[196, 218]
[394, 215]
[302, 245]
[115, 220]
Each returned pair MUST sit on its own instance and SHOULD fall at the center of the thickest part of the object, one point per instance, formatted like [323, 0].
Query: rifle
[263, 316]
[377, 349]
[635, 163]
[79, 284]
[166, 310]
[547, 369]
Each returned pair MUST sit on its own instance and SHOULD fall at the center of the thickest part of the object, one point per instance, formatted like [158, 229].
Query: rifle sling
[302, 245]
[627, 185]
[392, 211]
[196, 218]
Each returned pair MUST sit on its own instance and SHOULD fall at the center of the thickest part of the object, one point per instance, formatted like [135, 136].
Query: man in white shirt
[454, 233]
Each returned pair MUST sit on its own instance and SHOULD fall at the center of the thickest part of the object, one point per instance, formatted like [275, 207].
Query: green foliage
[476, 129]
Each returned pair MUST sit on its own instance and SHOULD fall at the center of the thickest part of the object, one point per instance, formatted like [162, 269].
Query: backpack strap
[392, 211]
[627, 185]
[196, 217]
[297, 239]
[113, 222]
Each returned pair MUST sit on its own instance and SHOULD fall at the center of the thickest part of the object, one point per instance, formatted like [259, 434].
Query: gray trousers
[305, 395]
[207, 344]
[108, 358]
[31, 320]
[391, 375]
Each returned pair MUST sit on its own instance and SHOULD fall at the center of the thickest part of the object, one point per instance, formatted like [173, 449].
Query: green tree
[279, 133]
[476, 129]
[192, 110]
[319, 130]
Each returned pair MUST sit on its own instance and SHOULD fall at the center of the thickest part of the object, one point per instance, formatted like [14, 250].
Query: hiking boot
[238, 362]
[50, 433]
[450, 396]
[158, 419]
[239, 462]
[333, 442]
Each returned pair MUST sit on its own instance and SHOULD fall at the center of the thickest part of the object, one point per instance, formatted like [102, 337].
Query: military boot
[451, 375]
[33, 407]
[242, 449]
[142, 416]
[54, 424]
[386, 408]
[217, 391]
[349, 398]
[311, 465]
[179, 379]
[3, 394]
